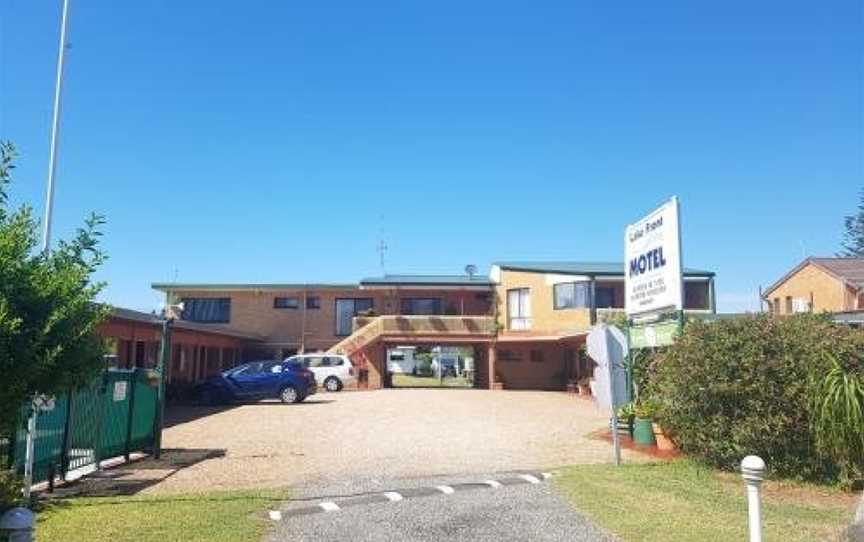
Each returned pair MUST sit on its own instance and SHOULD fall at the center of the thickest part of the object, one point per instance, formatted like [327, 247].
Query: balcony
[368, 329]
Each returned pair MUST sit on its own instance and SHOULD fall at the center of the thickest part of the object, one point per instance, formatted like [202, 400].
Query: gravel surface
[511, 512]
[381, 435]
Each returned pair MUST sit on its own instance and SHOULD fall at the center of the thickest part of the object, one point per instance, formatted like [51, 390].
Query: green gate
[115, 415]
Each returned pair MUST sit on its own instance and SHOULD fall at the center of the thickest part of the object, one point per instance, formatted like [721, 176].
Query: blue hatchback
[291, 383]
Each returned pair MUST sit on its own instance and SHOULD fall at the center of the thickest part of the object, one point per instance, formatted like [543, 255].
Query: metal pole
[28, 453]
[49, 209]
[616, 440]
[752, 470]
[55, 129]
[164, 362]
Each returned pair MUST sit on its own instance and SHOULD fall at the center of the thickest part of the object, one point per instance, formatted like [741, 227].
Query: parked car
[258, 380]
[401, 360]
[332, 371]
[448, 363]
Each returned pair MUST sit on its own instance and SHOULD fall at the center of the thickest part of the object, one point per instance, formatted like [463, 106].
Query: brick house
[526, 322]
[833, 285]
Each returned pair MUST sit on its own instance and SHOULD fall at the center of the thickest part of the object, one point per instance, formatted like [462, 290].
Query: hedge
[744, 386]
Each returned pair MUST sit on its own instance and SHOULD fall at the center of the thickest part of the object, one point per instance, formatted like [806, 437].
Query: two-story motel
[526, 321]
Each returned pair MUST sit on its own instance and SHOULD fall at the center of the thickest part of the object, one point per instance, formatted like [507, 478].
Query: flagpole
[55, 129]
[46, 231]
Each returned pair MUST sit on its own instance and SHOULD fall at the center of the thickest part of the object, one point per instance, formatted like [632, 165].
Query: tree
[48, 313]
[853, 238]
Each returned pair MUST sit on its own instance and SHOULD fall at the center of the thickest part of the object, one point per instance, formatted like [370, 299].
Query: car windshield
[294, 364]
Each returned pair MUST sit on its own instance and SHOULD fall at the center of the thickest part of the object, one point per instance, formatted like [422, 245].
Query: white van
[331, 371]
[401, 360]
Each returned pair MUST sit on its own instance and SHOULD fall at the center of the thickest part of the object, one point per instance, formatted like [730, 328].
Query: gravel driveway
[387, 434]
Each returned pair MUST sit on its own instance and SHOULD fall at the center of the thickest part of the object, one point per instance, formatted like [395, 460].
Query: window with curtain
[286, 303]
[421, 305]
[519, 308]
[208, 310]
[572, 295]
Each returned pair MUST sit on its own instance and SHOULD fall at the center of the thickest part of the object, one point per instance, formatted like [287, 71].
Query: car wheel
[289, 395]
[332, 384]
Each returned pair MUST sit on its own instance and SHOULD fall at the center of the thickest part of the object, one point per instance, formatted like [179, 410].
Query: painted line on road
[407, 493]
[530, 478]
[393, 496]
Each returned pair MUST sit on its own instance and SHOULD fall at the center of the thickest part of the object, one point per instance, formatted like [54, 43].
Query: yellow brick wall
[545, 319]
[828, 293]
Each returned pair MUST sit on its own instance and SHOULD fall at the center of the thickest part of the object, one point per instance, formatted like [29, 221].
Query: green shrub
[10, 490]
[424, 364]
[732, 388]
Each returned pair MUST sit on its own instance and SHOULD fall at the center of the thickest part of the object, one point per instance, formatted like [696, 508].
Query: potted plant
[626, 414]
[585, 386]
[643, 423]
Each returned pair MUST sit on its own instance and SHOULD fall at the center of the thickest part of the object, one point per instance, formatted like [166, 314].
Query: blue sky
[278, 142]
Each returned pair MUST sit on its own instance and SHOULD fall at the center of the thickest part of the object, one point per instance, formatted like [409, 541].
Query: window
[604, 298]
[313, 302]
[536, 356]
[697, 295]
[207, 310]
[508, 356]
[519, 308]
[346, 309]
[286, 303]
[572, 295]
[788, 305]
[421, 305]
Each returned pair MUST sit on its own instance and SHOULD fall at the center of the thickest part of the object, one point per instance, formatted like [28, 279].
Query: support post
[130, 416]
[29, 448]
[164, 361]
[752, 470]
[64, 450]
[490, 366]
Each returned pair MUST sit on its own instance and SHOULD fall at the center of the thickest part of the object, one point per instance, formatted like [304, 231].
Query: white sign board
[607, 346]
[120, 389]
[653, 272]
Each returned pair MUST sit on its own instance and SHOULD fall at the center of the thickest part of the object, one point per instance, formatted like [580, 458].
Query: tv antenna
[471, 270]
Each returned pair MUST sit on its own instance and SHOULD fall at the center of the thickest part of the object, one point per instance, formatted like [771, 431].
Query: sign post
[653, 279]
[607, 346]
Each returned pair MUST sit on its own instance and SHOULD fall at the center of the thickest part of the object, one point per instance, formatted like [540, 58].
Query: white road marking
[529, 478]
[447, 490]
[492, 483]
[546, 475]
[329, 506]
[393, 496]
[275, 515]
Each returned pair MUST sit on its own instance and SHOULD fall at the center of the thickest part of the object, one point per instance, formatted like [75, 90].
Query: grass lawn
[681, 500]
[411, 381]
[216, 517]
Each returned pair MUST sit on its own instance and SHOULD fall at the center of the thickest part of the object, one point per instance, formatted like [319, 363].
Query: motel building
[526, 322]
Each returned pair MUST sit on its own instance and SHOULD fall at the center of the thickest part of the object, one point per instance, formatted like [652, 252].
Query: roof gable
[847, 270]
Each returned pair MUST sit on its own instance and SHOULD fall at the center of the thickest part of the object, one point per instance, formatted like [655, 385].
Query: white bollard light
[17, 524]
[753, 470]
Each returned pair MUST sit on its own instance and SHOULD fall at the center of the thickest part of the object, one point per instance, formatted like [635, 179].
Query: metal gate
[115, 415]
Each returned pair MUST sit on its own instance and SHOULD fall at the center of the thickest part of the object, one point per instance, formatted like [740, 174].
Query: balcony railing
[368, 328]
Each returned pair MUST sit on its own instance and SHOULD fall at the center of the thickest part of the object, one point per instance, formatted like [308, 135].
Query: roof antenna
[471, 270]
[382, 247]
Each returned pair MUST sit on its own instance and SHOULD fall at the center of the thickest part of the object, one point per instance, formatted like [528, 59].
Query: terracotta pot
[663, 442]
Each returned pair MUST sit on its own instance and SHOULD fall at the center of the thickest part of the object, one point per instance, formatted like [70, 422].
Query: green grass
[683, 501]
[212, 517]
[411, 381]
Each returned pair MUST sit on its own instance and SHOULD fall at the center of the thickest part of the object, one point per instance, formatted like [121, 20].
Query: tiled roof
[849, 269]
[428, 280]
[584, 268]
[152, 319]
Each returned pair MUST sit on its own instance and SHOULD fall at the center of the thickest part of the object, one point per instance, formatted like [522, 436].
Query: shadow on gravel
[133, 477]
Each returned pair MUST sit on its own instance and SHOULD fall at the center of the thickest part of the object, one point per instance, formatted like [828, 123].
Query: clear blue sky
[275, 141]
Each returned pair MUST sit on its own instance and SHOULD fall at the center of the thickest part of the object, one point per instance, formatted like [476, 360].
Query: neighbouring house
[526, 322]
[834, 285]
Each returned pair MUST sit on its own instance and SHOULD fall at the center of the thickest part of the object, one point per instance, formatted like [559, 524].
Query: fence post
[130, 417]
[64, 450]
[752, 470]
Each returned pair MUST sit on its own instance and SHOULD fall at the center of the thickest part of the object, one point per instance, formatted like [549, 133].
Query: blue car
[291, 383]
